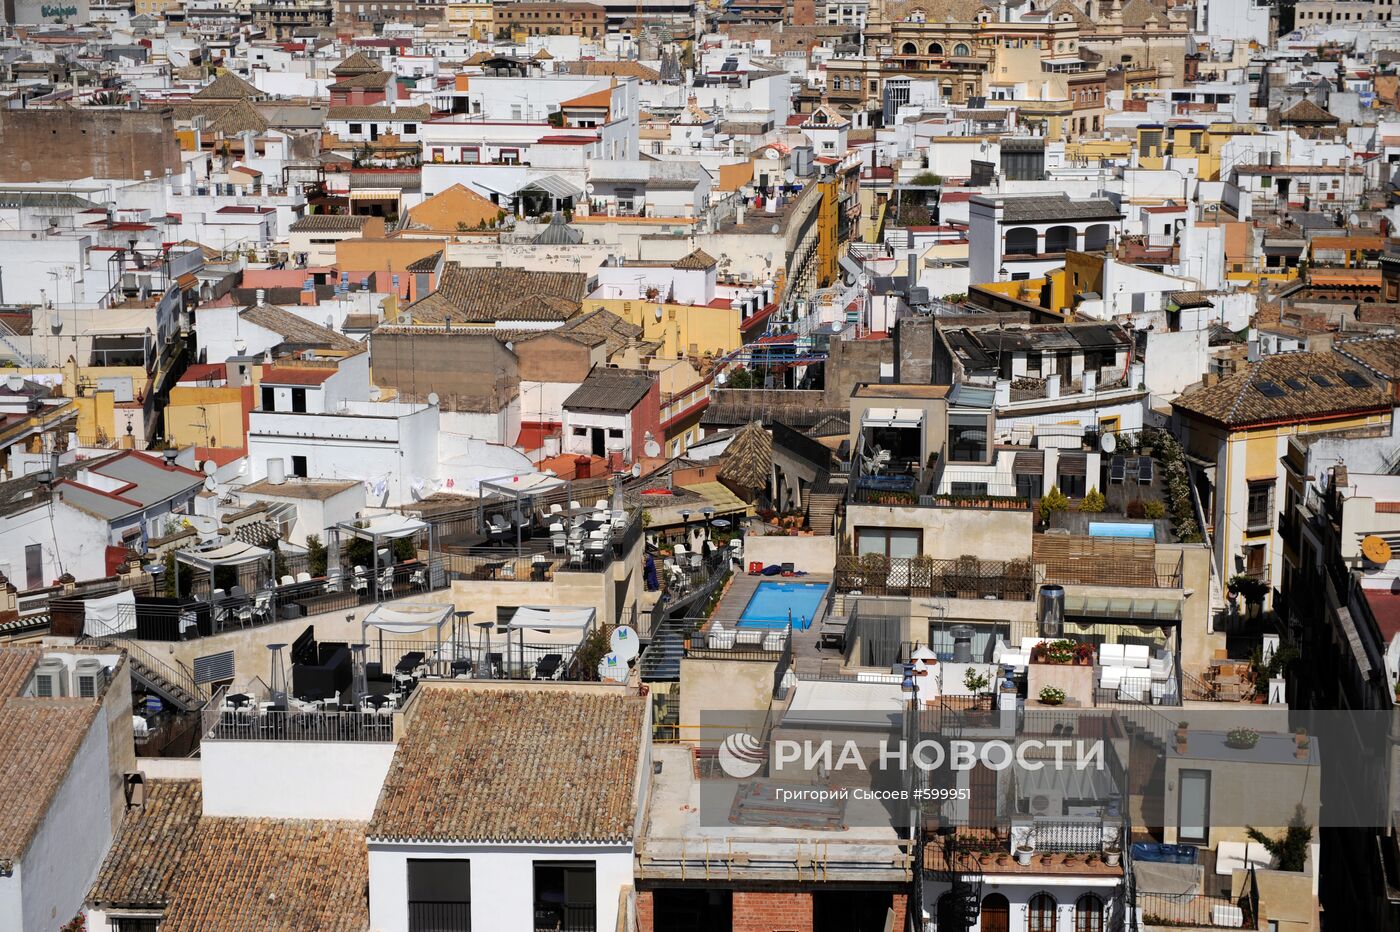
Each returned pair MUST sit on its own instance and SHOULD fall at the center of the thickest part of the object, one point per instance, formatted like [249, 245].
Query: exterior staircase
[820, 501]
[173, 686]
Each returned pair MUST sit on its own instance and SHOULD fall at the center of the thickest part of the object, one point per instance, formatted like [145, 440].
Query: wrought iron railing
[439, 916]
[255, 722]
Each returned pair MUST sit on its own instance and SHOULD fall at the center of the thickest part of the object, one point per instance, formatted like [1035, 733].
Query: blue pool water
[772, 601]
[1121, 529]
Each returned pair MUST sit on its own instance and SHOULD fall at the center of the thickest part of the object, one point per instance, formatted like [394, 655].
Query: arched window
[1089, 8]
[996, 912]
[1096, 238]
[935, 48]
[1061, 239]
[961, 49]
[1040, 914]
[909, 49]
[1088, 914]
[1020, 241]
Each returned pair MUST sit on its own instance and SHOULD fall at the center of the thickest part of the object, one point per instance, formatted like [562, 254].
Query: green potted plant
[1241, 738]
[976, 682]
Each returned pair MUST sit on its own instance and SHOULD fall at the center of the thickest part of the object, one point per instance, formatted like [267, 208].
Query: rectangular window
[299, 400]
[299, 466]
[269, 398]
[1260, 506]
[356, 129]
[566, 895]
[410, 128]
[510, 157]
[134, 923]
[889, 541]
[34, 566]
[1255, 562]
[439, 895]
[615, 432]
[1193, 806]
[471, 155]
[967, 438]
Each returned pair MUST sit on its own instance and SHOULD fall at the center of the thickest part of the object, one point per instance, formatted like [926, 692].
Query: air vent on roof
[1269, 390]
[1354, 379]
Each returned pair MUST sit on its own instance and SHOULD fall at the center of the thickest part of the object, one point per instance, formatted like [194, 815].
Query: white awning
[236, 553]
[892, 417]
[407, 619]
[389, 526]
[105, 616]
[544, 618]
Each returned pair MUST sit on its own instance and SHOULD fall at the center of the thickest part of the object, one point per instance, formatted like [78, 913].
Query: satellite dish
[772, 154]
[624, 643]
[651, 448]
[775, 229]
[209, 467]
[636, 470]
[1108, 442]
[612, 667]
[433, 399]
[658, 312]
[789, 176]
[210, 484]
[588, 188]
[1375, 549]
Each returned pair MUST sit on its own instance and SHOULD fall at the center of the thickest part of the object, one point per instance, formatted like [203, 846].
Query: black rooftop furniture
[1117, 469]
[409, 661]
[548, 666]
[319, 670]
[1144, 470]
[378, 701]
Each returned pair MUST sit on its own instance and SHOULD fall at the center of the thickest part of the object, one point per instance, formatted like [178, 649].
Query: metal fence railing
[1199, 910]
[1068, 836]
[259, 721]
[964, 577]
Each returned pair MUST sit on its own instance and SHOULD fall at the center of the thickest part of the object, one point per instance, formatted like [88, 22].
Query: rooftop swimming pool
[1121, 529]
[774, 603]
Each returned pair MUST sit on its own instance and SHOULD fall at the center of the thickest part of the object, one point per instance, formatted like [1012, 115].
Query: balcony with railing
[966, 577]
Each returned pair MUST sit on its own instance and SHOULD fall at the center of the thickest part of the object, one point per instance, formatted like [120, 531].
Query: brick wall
[772, 912]
[63, 145]
[645, 911]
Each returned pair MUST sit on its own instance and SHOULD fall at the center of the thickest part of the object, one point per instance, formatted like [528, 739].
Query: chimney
[262, 298]
[1052, 386]
[1090, 381]
[1003, 392]
[1136, 374]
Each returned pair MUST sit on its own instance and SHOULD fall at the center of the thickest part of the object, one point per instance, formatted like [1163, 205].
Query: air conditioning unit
[89, 678]
[50, 678]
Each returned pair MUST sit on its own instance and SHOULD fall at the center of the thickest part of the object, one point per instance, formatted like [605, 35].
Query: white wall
[1175, 360]
[294, 779]
[502, 881]
[81, 548]
[63, 857]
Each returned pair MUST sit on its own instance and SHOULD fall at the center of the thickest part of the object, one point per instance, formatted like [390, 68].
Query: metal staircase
[820, 501]
[173, 686]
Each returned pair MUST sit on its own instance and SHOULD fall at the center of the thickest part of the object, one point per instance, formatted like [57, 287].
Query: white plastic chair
[575, 506]
[386, 582]
[556, 509]
[600, 505]
[303, 576]
[287, 581]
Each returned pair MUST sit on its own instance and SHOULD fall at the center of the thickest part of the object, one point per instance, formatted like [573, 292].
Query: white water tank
[276, 470]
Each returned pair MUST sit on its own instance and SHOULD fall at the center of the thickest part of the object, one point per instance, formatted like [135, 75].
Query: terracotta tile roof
[16, 663]
[381, 113]
[356, 63]
[1380, 355]
[297, 330]
[514, 765]
[38, 738]
[260, 875]
[241, 117]
[370, 79]
[699, 259]
[234, 874]
[1305, 111]
[596, 100]
[477, 294]
[331, 223]
[605, 389]
[620, 69]
[229, 86]
[1261, 392]
[141, 866]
